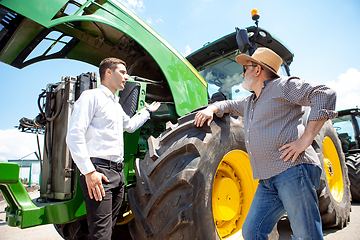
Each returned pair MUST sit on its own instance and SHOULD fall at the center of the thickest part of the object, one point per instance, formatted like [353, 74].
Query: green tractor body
[177, 175]
[89, 32]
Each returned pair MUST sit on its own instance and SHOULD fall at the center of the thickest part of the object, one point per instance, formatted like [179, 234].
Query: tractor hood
[89, 31]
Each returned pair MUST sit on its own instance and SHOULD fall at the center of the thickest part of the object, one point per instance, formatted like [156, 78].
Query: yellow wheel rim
[233, 191]
[125, 217]
[333, 169]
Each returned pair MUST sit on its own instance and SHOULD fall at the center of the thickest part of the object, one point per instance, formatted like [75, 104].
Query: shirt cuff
[85, 166]
[322, 114]
[221, 109]
[147, 112]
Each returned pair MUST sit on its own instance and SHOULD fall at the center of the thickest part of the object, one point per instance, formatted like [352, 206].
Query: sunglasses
[245, 67]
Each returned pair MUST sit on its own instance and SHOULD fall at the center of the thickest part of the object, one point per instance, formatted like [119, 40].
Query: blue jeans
[293, 192]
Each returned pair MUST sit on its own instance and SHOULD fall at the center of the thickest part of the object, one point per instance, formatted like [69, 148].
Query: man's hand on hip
[94, 185]
[293, 150]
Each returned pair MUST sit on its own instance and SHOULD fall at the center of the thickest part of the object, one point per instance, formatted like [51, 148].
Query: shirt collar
[267, 81]
[254, 97]
[107, 92]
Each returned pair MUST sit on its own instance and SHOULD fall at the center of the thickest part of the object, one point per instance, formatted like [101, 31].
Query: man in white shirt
[95, 140]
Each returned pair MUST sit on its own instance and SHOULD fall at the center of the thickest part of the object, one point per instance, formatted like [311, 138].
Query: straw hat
[264, 57]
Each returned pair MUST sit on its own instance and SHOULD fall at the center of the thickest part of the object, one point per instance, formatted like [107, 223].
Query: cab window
[224, 78]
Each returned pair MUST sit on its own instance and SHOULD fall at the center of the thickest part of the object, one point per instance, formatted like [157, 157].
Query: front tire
[180, 191]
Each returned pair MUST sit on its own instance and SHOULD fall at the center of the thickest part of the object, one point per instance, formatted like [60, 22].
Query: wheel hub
[232, 192]
[329, 167]
[333, 169]
[227, 199]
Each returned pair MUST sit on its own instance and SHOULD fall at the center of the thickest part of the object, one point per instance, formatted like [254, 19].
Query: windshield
[224, 75]
[345, 130]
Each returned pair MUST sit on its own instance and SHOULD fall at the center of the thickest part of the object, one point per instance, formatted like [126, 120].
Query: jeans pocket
[315, 175]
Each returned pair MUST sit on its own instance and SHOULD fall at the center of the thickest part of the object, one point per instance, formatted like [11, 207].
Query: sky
[323, 35]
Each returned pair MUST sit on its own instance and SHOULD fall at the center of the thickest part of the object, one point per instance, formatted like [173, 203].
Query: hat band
[268, 66]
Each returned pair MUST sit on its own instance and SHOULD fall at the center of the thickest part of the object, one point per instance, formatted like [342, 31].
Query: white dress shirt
[96, 128]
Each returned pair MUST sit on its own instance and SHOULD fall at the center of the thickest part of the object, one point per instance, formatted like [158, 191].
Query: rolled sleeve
[320, 98]
[221, 108]
[233, 107]
[325, 107]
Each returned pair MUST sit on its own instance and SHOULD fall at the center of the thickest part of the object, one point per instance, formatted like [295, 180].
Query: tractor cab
[216, 61]
[347, 126]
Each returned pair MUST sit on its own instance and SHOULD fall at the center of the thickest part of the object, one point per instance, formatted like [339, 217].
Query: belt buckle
[119, 166]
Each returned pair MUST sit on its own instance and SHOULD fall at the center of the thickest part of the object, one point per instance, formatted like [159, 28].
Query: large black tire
[334, 191]
[353, 164]
[180, 191]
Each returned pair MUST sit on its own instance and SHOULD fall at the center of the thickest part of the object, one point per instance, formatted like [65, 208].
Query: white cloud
[347, 88]
[15, 144]
[187, 51]
[134, 5]
[4, 149]
[159, 20]
[149, 21]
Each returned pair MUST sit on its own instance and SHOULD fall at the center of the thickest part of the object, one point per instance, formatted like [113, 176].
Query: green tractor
[347, 125]
[181, 181]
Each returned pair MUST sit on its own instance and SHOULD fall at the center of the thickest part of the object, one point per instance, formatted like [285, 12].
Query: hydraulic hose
[50, 119]
[50, 94]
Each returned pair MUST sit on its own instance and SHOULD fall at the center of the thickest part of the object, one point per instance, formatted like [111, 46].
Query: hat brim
[242, 59]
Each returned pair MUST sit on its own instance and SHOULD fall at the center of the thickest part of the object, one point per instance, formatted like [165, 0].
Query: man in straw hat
[278, 144]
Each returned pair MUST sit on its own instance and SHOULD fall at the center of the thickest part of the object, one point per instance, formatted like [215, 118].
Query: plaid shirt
[274, 118]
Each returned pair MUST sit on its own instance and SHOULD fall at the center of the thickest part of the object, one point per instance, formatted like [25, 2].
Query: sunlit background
[322, 35]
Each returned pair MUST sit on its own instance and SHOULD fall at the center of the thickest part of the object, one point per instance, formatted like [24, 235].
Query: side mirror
[242, 40]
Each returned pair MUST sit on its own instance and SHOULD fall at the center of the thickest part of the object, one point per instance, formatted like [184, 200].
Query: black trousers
[102, 215]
